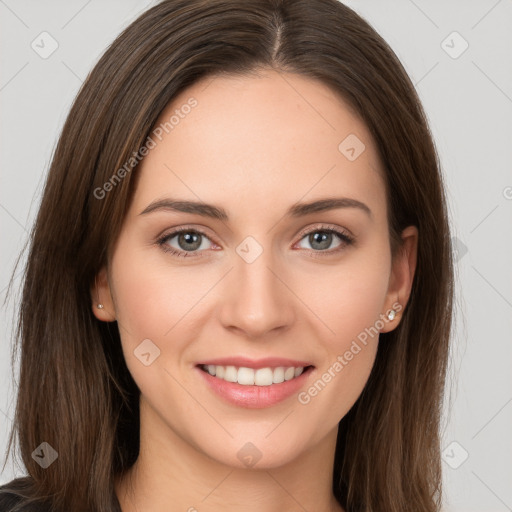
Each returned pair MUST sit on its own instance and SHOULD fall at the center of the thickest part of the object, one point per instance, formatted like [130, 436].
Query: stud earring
[100, 306]
[391, 314]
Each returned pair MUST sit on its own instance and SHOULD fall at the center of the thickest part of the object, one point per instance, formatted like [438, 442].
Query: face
[256, 281]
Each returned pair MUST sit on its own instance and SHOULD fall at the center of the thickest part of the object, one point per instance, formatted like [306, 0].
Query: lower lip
[255, 397]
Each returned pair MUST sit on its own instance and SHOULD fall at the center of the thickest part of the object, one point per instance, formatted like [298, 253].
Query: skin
[269, 141]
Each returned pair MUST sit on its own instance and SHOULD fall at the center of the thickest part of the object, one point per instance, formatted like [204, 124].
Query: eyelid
[170, 232]
[323, 226]
[338, 231]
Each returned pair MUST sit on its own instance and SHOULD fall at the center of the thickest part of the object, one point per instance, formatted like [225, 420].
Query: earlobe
[102, 303]
[400, 284]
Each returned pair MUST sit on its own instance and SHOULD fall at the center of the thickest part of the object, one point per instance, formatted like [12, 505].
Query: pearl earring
[100, 306]
[391, 314]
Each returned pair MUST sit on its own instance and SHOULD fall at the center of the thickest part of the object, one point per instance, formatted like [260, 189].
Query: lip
[254, 397]
[255, 364]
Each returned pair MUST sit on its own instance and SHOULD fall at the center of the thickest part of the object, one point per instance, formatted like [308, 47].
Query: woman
[296, 359]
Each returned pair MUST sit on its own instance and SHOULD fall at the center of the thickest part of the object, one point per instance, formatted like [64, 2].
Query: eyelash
[346, 240]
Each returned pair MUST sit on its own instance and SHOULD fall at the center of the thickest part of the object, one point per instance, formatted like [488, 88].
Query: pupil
[189, 238]
[323, 238]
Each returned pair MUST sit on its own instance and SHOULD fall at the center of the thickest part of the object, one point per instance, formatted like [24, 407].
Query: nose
[258, 301]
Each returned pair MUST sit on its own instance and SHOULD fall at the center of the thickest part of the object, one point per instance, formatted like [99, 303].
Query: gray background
[468, 99]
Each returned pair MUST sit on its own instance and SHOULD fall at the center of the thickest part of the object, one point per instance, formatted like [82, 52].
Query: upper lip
[245, 362]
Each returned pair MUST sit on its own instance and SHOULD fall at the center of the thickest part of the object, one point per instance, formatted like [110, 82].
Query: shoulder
[13, 497]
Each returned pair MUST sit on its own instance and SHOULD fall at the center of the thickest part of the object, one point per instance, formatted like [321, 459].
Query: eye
[188, 240]
[321, 239]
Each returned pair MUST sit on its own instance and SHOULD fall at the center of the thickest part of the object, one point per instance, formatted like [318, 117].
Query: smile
[254, 377]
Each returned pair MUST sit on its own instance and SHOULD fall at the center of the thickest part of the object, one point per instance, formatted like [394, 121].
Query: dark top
[12, 493]
[13, 498]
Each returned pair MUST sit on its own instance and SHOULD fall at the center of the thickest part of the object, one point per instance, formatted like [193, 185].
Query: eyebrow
[219, 213]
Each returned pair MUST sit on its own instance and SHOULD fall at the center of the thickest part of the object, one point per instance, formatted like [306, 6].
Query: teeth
[246, 376]
[231, 374]
[250, 377]
[278, 375]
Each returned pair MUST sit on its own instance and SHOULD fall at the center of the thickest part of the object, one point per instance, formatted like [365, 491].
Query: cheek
[150, 295]
[155, 301]
[347, 298]
[351, 310]
[140, 303]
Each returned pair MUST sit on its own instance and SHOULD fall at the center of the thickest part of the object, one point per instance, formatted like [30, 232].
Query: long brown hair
[75, 391]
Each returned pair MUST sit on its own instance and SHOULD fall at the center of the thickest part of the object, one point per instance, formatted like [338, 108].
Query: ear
[402, 275]
[100, 294]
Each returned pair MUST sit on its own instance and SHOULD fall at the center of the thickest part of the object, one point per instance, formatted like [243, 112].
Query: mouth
[254, 388]
[245, 376]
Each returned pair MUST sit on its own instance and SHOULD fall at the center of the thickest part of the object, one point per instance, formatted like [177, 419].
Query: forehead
[265, 140]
